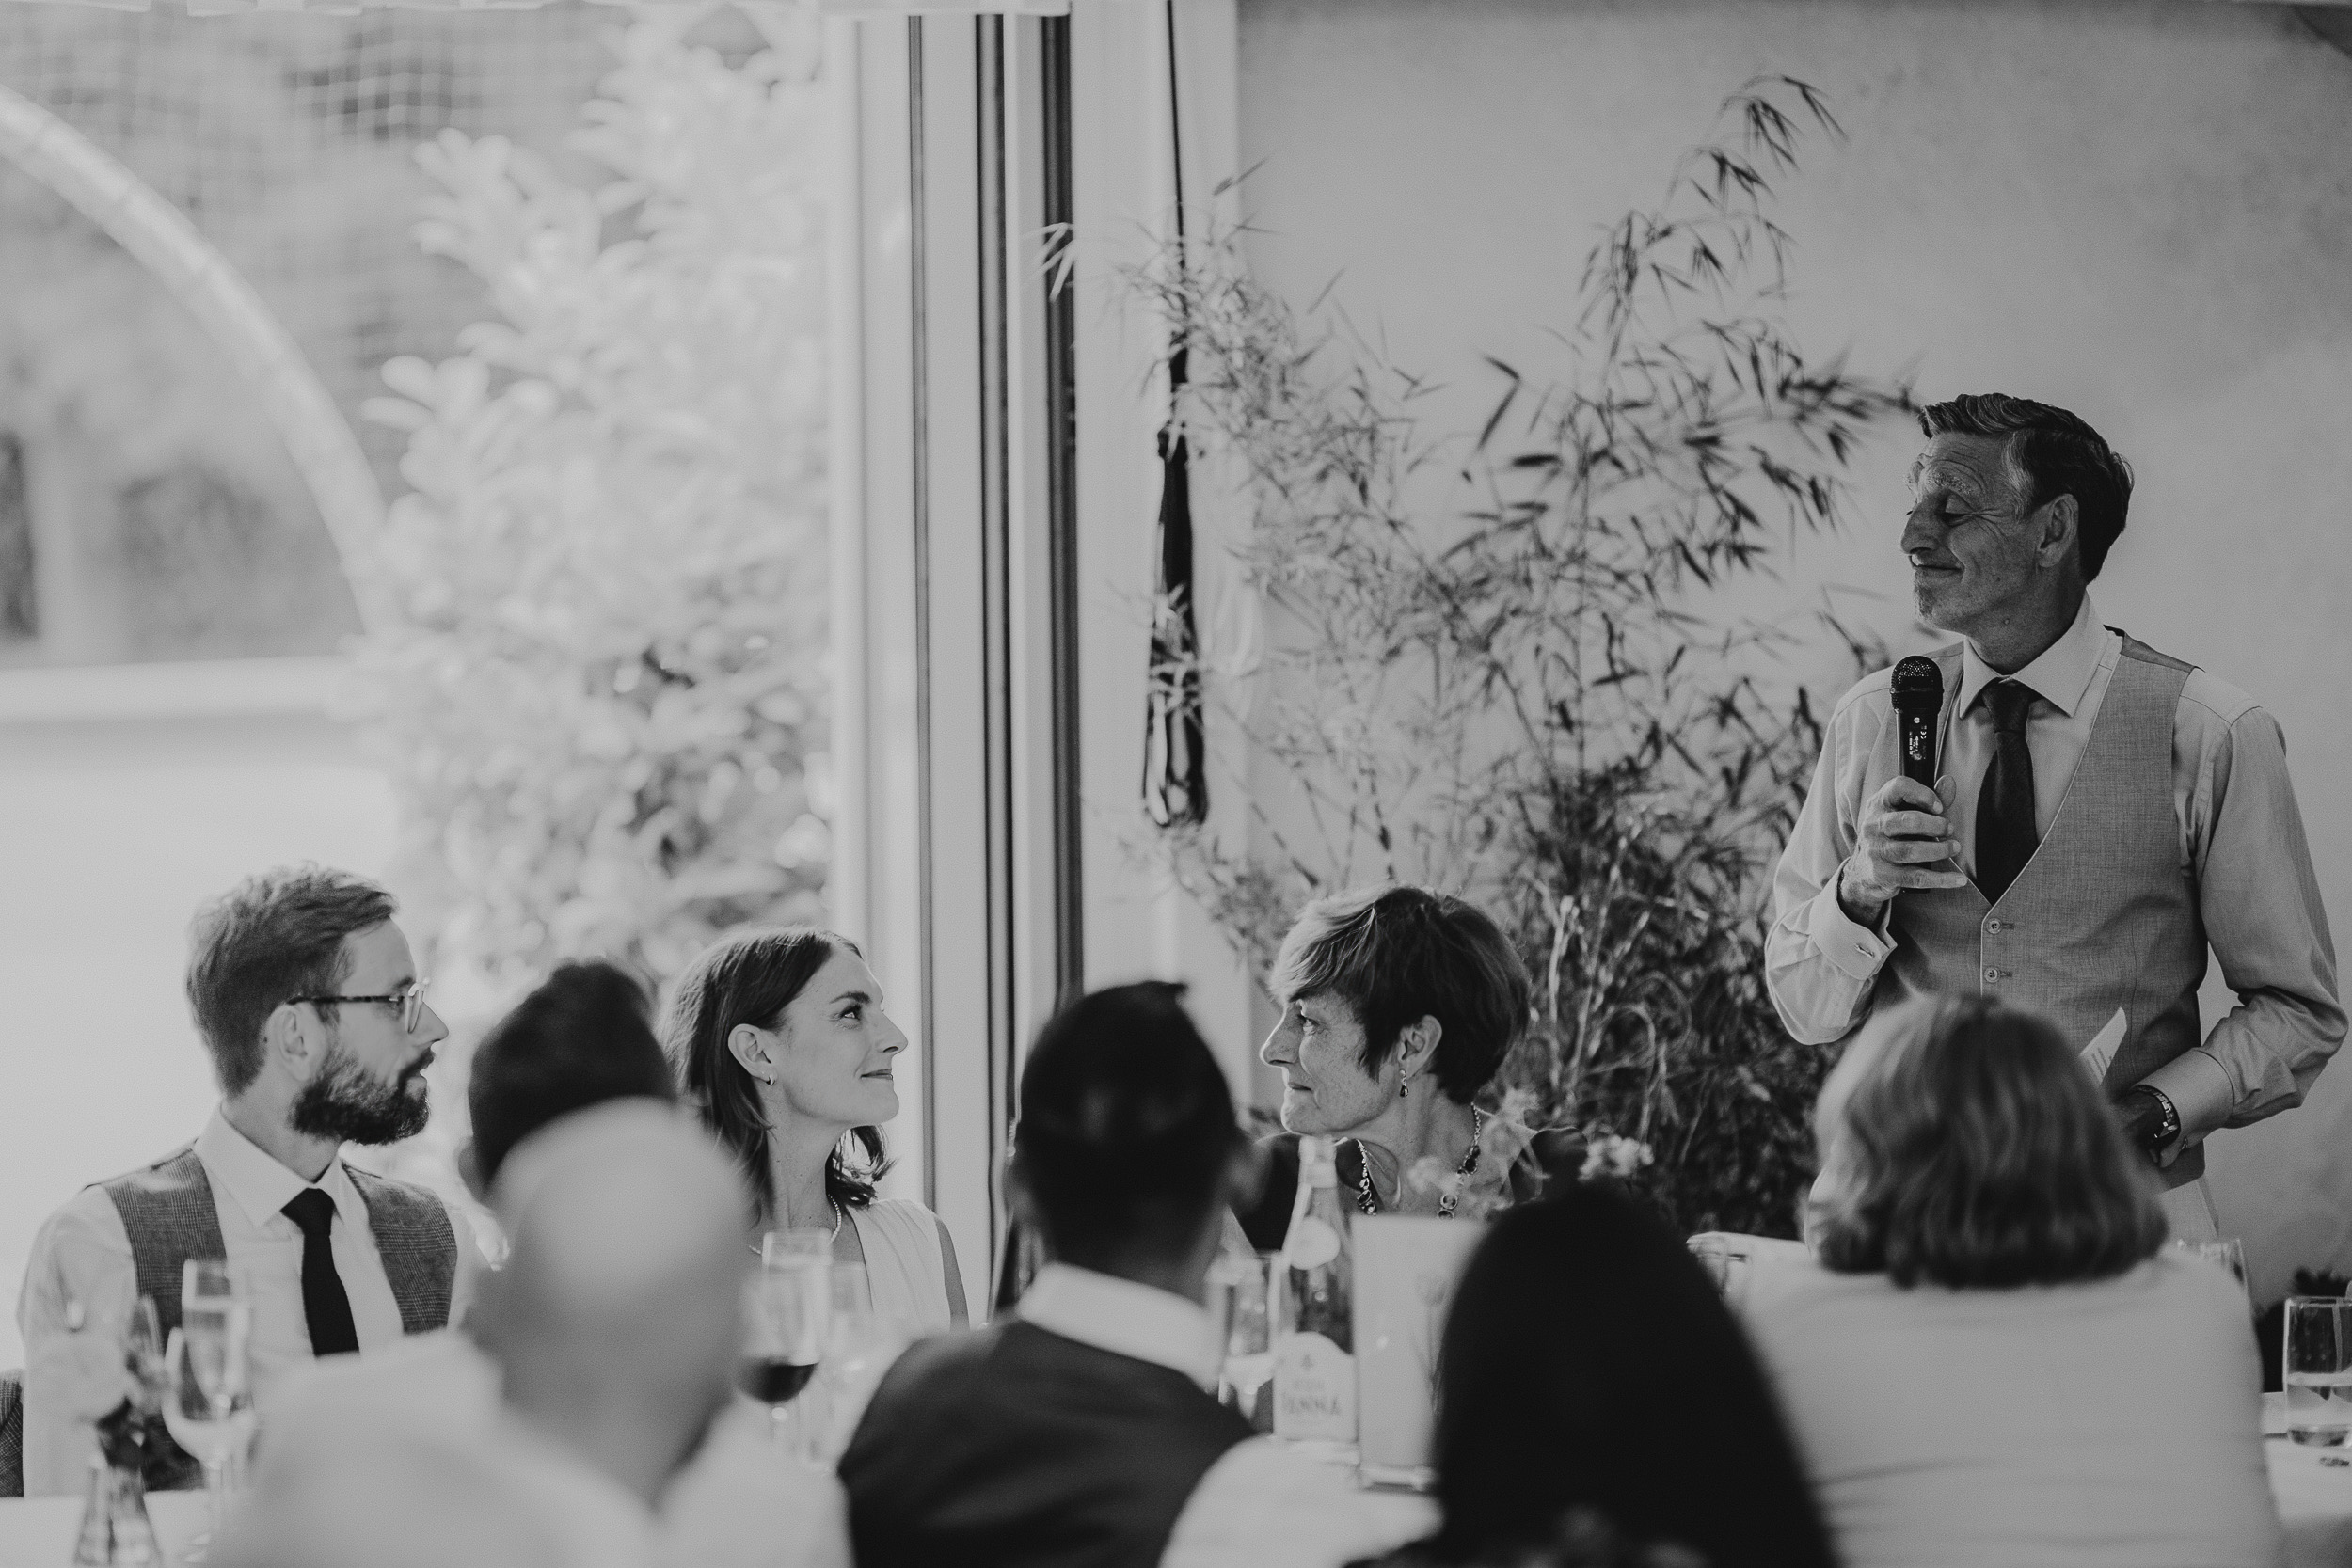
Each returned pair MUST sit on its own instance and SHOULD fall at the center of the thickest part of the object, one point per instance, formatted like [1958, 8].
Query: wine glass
[787, 1305]
[208, 1403]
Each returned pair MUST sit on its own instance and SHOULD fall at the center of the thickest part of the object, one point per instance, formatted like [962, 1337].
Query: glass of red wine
[784, 1323]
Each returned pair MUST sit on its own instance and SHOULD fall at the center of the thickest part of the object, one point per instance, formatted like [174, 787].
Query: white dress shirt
[81, 1271]
[1126, 1319]
[2241, 842]
[738, 1503]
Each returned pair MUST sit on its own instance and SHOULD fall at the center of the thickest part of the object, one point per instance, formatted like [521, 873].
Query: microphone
[1918, 699]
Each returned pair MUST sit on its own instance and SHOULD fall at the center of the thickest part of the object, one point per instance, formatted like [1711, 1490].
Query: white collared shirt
[1126, 1319]
[83, 1253]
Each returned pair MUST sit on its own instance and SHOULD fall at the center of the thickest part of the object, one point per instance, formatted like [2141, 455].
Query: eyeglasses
[410, 999]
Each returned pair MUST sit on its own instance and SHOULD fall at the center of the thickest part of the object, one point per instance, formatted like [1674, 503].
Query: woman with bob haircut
[1399, 1005]
[779, 1040]
[1993, 1356]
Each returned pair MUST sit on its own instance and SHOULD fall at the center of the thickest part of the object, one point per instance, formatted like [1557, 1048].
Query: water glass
[1240, 1301]
[860, 1347]
[208, 1406]
[2318, 1356]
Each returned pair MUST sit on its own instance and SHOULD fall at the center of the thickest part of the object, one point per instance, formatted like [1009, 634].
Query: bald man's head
[617, 1320]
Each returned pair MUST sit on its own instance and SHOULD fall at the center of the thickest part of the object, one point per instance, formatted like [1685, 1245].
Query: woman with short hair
[779, 1040]
[1399, 1005]
[1995, 1358]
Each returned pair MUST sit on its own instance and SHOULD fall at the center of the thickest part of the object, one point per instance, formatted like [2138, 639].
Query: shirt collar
[260, 1185]
[2060, 676]
[1126, 1319]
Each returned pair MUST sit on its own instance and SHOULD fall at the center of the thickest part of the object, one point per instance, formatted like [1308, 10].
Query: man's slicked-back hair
[1396, 954]
[1126, 1128]
[2058, 454]
[272, 937]
[584, 1036]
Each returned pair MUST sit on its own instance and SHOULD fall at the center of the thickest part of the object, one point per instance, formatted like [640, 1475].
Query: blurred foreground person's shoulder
[390, 1498]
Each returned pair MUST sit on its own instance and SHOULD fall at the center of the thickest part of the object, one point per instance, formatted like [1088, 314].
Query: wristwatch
[2152, 1140]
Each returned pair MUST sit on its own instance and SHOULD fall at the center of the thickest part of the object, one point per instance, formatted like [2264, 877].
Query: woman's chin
[1300, 1115]
[883, 1101]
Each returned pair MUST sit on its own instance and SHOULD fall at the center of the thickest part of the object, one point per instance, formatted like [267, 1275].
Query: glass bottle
[116, 1531]
[1314, 1342]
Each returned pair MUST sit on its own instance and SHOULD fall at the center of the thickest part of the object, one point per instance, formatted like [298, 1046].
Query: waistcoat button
[1993, 926]
[1992, 974]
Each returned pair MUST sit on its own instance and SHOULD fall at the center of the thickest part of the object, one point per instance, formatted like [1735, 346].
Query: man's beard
[344, 1103]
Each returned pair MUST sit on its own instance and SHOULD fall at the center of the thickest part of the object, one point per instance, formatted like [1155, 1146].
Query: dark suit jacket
[1014, 1446]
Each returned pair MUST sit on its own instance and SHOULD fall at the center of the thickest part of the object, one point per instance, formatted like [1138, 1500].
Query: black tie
[323, 1305]
[2005, 831]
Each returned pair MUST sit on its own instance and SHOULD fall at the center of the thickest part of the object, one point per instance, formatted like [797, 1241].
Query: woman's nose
[1269, 1052]
[895, 1041]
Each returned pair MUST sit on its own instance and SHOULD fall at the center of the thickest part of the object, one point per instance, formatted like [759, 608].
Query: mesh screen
[154, 506]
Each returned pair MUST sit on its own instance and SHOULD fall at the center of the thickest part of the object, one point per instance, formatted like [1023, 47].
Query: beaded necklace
[1368, 1201]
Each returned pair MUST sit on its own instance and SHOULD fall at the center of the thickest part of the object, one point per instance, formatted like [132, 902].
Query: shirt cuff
[2202, 1094]
[1858, 951]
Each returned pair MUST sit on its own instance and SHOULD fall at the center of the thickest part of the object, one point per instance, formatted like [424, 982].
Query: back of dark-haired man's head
[307, 998]
[582, 1037]
[1127, 1152]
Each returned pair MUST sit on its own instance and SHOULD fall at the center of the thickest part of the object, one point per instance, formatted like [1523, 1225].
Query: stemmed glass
[785, 1310]
[860, 1346]
[1239, 1284]
[208, 1397]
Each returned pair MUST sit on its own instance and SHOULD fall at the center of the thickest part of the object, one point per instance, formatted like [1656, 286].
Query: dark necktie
[323, 1305]
[2004, 831]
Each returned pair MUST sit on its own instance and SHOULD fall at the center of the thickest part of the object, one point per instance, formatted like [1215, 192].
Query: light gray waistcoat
[2104, 916]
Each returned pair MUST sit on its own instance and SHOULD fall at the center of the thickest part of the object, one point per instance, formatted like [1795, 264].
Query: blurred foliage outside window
[601, 692]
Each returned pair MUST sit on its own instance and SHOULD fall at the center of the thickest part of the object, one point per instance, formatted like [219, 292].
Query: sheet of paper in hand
[2104, 1045]
[1405, 1270]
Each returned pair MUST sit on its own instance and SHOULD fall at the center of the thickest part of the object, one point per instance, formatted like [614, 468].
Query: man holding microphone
[2103, 812]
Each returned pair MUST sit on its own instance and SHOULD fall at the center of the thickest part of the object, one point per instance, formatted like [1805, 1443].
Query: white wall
[2140, 211]
[112, 832]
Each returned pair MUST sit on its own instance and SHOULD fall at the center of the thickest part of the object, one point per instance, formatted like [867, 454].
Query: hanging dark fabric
[1175, 737]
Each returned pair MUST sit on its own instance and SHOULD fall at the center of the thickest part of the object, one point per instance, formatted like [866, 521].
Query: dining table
[39, 1532]
[1327, 1524]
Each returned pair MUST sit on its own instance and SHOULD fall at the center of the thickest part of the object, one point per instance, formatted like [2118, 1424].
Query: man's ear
[2061, 529]
[297, 1038]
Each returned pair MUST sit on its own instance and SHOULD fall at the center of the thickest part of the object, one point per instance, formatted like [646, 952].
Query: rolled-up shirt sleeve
[2260, 900]
[1820, 965]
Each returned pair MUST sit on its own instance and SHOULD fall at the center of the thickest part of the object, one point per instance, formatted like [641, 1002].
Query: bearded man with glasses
[307, 998]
